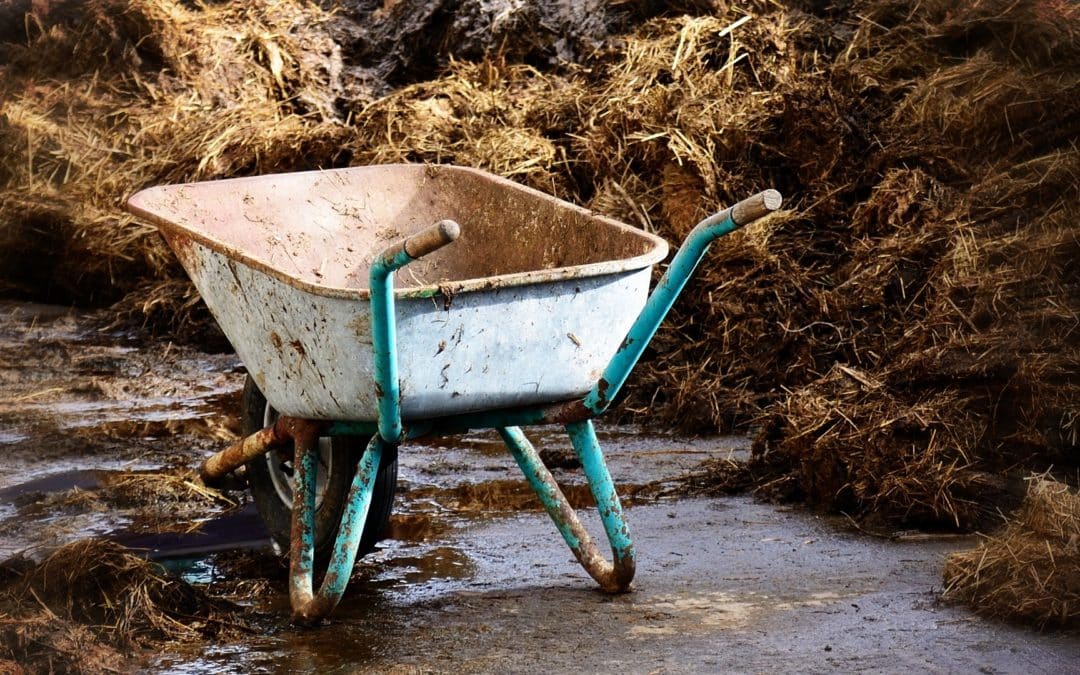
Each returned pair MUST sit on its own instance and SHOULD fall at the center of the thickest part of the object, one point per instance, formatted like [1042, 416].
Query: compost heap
[903, 338]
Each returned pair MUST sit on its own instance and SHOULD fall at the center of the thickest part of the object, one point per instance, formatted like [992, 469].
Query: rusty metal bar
[309, 607]
[214, 469]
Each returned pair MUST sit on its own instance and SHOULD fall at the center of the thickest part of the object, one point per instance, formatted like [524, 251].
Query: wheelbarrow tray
[527, 307]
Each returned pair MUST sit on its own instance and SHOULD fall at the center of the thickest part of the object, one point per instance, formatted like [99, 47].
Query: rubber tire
[346, 452]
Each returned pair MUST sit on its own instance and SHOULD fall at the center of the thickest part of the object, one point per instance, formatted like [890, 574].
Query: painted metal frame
[389, 431]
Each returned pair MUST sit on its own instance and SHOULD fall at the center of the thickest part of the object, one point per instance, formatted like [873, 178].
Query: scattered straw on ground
[177, 485]
[172, 500]
[1029, 571]
[91, 604]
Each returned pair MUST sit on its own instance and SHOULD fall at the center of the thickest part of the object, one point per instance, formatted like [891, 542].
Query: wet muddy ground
[473, 576]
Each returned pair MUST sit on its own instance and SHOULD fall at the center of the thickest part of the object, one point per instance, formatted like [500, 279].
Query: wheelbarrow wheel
[270, 482]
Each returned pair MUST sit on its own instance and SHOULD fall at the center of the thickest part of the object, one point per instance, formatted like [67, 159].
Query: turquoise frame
[390, 430]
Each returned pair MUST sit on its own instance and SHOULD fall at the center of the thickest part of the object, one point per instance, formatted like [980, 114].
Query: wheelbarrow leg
[615, 576]
[307, 606]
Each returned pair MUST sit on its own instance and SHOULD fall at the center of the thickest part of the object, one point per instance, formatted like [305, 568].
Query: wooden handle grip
[433, 238]
[752, 208]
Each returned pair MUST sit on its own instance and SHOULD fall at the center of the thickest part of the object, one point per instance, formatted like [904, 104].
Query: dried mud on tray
[904, 338]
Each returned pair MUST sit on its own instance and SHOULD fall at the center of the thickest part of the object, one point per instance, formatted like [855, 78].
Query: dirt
[407, 40]
[473, 576]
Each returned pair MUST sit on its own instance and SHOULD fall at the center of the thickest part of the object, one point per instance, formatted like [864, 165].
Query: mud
[723, 585]
[408, 40]
[85, 409]
[473, 576]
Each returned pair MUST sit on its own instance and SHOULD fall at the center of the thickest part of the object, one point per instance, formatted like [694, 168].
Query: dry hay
[476, 116]
[1030, 570]
[958, 307]
[91, 603]
[181, 485]
[171, 500]
[106, 97]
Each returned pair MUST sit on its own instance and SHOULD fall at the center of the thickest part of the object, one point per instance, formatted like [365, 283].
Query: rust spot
[225, 462]
[306, 608]
[181, 245]
[298, 346]
[447, 293]
[602, 386]
[565, 413]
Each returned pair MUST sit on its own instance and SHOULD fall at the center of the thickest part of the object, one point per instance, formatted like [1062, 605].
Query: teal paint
[307, 606]
[384, 342]
[656, 308]
[542, 483]
[613, 577]
[587, 447]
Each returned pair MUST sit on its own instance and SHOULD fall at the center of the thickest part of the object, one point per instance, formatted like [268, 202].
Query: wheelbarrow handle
[425, 241]
[383, 331]
[686, 260]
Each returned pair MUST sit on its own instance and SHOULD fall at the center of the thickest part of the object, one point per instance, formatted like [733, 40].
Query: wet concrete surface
[474, 577]
[724, 585]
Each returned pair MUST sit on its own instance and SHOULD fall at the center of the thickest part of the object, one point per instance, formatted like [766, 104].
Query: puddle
[61, 481]
[129, 506]
[410, 572]
[236, 530]
[713, 594]
[69, 390]
[207, 422]
[495, 496]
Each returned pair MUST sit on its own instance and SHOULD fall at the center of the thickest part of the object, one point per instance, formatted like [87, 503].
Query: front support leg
[309, 607]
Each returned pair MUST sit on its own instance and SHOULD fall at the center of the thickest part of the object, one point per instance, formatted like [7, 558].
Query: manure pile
[904, 338]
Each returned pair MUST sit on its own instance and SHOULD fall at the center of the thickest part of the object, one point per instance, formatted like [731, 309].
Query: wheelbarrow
[531, 311]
